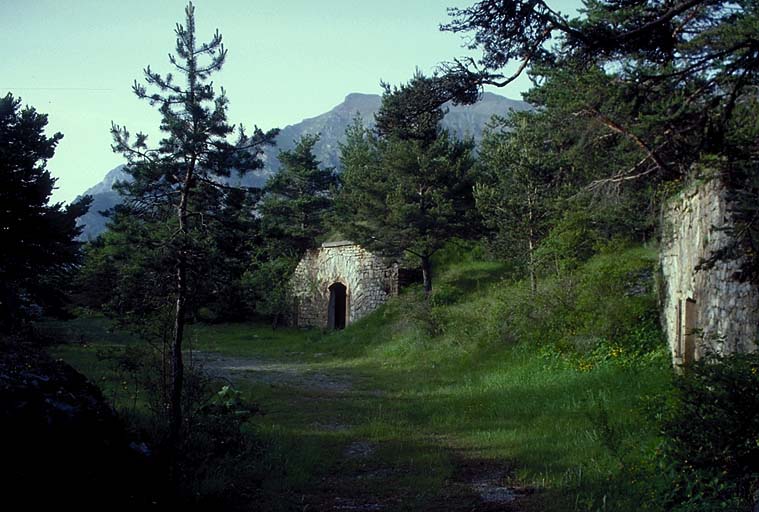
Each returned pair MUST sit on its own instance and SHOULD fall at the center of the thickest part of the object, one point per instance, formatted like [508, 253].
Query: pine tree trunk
[427, 275]
[531, 244]
[177, 363]
[531, 265]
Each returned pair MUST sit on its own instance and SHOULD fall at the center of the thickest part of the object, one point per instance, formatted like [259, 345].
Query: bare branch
[614, 126]
[665, 18]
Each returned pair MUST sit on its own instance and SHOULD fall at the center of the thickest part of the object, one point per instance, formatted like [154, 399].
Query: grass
[485, 373]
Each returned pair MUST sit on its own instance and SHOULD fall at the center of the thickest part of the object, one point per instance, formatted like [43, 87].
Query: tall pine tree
[195, 154]
[38, 239]
[408, 188]
[685, 72]
[298, 199]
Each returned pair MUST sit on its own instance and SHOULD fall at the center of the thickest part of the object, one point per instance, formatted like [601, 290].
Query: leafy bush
[444, 295]
[604, 311]
[219, 460]
[266, 288]
[218, 464]
[589, 227]
[457, 251]
[711, 431]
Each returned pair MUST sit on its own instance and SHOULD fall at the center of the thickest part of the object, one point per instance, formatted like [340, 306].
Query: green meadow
[552, 395]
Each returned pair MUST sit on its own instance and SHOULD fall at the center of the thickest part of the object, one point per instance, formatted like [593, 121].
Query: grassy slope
[488, 372]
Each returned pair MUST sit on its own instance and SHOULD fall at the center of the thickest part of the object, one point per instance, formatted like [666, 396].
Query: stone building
[708, 305]
[339, 283]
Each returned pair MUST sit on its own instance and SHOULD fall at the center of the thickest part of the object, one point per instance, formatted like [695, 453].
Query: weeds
[554, 383]
[710, 450]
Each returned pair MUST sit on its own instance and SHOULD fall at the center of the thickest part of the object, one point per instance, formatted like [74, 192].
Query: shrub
[444, 295]
[219, 461]
[711, 431]
[604, 311]
[457, 251]
[208, 315]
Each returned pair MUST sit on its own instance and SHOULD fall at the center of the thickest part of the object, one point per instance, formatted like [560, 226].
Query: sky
[288, 60]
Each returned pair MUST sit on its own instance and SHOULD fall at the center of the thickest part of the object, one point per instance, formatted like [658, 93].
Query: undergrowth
[557, 384]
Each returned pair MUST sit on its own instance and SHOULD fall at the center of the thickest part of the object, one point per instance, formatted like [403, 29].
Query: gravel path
[476, 486]
[268, 372]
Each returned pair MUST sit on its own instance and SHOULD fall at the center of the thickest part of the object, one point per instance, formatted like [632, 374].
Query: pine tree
[38, 239]
[190, 160]
[685, 72]
[408, 188]
[294, 214]
[298, 199]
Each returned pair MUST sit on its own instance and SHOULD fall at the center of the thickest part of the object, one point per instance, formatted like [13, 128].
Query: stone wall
[368, 279]
[707, 306]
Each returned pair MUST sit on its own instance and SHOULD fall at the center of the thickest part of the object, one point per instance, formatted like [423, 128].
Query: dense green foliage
[490, 385]
[407, 188]
[128, 271]
[38, 239]
[652, 88]
[691, 64]
[518, 179]
[633, 98]
[540, 343]
[710, 444]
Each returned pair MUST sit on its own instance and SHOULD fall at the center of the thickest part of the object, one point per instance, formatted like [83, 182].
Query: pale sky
[288, 60]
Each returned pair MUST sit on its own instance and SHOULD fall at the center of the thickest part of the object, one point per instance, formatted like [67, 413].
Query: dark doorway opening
[337, 306]
[689, 345]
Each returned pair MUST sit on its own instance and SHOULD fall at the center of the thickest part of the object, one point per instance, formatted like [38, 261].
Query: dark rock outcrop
[62, 444]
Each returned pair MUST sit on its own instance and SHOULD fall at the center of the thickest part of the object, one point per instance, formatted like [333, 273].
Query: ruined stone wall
[368, 279]
[706, 308]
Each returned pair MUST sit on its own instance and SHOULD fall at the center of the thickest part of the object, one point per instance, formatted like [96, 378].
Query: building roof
[341, 243]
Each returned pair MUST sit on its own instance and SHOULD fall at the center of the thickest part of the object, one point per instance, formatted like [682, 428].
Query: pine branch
[616, 127]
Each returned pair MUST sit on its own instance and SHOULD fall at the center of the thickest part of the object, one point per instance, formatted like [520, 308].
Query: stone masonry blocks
[368, 279]
[706, 307]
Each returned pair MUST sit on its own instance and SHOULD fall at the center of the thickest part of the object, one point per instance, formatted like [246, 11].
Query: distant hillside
[103, 198]
[460, 120]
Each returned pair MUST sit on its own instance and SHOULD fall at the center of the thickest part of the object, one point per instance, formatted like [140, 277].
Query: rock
[62, 444]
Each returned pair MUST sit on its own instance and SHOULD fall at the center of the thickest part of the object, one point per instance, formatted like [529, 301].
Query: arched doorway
[337, 306]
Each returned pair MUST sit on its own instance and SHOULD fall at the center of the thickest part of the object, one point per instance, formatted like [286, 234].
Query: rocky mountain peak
[461, 120]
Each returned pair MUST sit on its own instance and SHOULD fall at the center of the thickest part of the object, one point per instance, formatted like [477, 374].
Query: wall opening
[337, 306]
[689, 345]
[678, 331]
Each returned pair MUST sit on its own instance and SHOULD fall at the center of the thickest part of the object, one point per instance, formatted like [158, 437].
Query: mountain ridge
[460, 120]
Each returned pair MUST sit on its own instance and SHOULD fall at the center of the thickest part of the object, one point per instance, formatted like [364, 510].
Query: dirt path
[297, 375]
[360, 480]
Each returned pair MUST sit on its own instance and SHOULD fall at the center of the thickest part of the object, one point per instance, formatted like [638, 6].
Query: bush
[604, 311]
[208, 315]
[217, 466]
[455, 252]
[266, 288]
[444, 295]
[588, 227]
[711, 430]
[219, 462]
